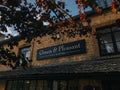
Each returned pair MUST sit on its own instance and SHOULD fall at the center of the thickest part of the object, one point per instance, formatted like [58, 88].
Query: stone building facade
[86, 65]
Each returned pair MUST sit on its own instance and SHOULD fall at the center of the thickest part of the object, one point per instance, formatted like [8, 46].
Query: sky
[70, 5]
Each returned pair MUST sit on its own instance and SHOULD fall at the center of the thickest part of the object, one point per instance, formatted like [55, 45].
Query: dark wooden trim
[6, 85]
[97, 76]
[113, 39]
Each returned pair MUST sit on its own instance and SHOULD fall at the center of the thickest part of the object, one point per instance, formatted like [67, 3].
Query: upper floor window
[25, 58]
[26, 52]
[109, 40]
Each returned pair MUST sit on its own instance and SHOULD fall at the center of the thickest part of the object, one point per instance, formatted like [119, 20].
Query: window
[25, 51]
[25, 56]
[59, 85]
[21, 85]
[40, 85]
[88, 87]
[109, 40]
[73, 85]
[43, 85]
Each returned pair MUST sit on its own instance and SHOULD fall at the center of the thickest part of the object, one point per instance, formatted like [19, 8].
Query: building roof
[67, 68]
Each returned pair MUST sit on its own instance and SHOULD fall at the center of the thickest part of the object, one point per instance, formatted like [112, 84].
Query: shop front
[75, 75]
[53, 84]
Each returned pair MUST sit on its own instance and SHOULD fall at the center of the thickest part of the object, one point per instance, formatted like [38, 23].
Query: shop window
[31, 84]
[55, 85]
[48, 85]
[73, 85]
[43, 85]
[109, 40]
[88, 87]
[8, 85]
[21, 85]
[60, 85]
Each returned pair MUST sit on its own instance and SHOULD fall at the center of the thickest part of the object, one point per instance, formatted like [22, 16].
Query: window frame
[28, 60]
[36, 86]
[50, 84]
[114, 42]
[29, 46]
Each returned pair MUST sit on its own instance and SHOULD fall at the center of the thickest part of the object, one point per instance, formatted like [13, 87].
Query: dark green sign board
[66, 49]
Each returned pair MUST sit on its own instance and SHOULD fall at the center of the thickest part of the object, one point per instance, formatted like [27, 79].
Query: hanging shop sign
[66, 49]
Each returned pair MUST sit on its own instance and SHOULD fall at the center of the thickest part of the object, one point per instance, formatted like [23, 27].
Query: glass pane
[118, 46]
[107, 48]
[32, 85]
[73, 85]
[106, 38]
[63, 85]
[9, 85]
[20, 85]
[117, 36]
[55, 85]
[14, 85]
[115, 28]
[39, 85]
[88, 87]
[26, 85]
[46, 85]
[26, 52]
[106, 44]
[43, 85]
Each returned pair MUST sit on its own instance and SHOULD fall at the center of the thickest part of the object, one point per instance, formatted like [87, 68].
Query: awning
[88, 68]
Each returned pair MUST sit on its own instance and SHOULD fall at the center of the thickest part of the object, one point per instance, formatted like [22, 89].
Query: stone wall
[91, 42]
